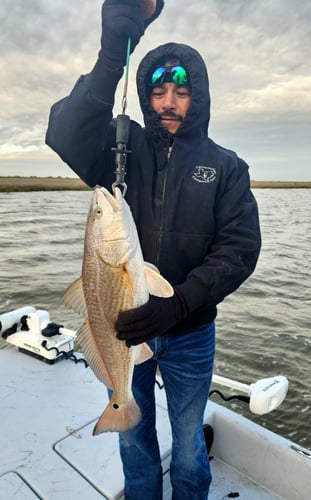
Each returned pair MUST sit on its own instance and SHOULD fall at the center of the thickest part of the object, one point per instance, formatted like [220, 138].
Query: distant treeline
[10, 184]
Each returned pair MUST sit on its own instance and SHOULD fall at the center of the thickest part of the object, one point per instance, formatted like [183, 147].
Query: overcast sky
[257, 52]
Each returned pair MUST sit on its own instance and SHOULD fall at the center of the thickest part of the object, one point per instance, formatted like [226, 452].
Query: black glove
[150, 320]
[122, 19]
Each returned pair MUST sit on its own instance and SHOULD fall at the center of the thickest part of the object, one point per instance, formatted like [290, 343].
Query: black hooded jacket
[196, 217]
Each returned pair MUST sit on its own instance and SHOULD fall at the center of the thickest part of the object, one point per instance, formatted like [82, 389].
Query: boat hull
[48, 451]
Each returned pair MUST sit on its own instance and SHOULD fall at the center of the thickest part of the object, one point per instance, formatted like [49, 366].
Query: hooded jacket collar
[197, 119]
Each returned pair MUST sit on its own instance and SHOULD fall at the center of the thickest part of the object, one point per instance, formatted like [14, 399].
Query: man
[197, 221]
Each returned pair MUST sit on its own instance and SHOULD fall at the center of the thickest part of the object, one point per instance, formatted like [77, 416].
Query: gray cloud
[257, 52]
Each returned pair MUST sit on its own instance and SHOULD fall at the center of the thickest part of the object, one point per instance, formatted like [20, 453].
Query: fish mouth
[105, 205]
[103, 196]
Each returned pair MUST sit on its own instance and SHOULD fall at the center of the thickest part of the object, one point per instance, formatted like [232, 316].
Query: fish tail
[118, 418]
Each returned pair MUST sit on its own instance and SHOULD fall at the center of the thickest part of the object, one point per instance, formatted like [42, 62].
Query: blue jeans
[186, 365]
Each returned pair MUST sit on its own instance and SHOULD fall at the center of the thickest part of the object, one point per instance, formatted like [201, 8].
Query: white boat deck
[47, 413]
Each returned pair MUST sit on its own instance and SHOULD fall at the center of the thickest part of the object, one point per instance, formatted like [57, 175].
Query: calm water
[263, 329]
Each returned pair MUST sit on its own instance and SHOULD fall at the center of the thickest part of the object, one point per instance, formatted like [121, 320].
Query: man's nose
[169, 101]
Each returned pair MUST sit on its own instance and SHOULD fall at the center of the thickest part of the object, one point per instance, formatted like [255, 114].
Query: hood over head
[197, 119]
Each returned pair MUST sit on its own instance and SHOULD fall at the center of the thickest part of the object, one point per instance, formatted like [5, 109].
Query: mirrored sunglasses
[175, 74]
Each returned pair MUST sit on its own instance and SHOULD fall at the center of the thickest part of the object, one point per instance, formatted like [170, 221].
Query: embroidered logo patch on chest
[204, 174]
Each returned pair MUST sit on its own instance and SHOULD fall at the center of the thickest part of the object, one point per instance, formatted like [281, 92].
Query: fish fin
[142, 354]
[118, 417]
[156, 284]
[74, 297]
[151, 266]
[92, 354]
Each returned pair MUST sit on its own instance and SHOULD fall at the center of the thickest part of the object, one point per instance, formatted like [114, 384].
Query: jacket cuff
[194, 295]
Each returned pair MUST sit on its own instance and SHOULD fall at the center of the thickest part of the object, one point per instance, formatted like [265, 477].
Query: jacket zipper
[169, 152]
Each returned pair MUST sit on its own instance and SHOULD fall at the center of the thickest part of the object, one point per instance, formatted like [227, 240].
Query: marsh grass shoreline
[16, 184]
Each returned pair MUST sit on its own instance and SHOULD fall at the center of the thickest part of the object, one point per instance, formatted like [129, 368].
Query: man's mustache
[170, 114]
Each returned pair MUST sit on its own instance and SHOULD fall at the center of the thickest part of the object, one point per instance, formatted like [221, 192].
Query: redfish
[114, 279]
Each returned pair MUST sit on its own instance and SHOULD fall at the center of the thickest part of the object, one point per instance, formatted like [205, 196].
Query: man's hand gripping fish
[114, 279]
